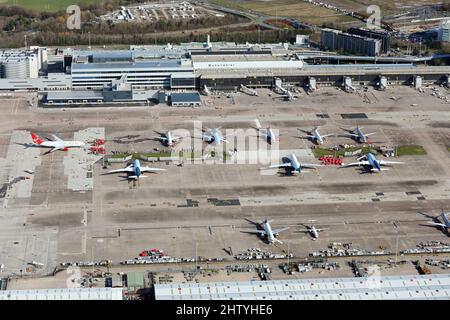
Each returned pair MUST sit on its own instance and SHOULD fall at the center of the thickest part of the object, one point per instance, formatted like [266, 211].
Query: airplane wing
[328, 135]
[437, 224]
[127, 169]
[254, 231]
[360, 163]
[351, 134]
[384, 162]
[279, 230]
[160, 138]
[148, 169]
[205, 136]
[55, 138]
[54, 149]
[310, 165]
[229, 135]
[281, 165]
[370, 134]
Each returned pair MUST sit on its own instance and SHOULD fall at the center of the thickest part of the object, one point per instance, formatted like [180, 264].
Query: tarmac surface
[69, 210]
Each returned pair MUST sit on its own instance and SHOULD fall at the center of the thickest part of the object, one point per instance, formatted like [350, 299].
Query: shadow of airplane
[434, 219]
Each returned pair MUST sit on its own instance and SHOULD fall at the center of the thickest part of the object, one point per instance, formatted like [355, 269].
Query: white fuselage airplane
[168, 139]
[445, 225]
[374, 164]
[288, 96]
[56, 144]
[215, 137]
[316, 137]
[313, 231]
[269, 134]
[267, 232]
[135, 170]
[295, 165]
[359, 135]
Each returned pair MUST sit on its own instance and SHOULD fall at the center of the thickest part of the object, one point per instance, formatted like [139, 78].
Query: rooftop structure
[63, 294]
[154, 74]
[368, 288]
[135, 281]
[21, 64]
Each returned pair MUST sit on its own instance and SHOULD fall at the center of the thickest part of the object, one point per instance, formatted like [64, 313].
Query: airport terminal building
[137, 75]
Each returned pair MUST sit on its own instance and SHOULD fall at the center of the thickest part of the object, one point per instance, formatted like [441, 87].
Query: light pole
[396, 247]
[289, 252]
[196, 256]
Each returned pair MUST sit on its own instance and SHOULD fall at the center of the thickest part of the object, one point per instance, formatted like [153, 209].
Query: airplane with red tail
[56, 143]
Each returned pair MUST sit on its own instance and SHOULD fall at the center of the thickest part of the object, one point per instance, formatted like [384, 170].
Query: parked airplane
[313, 230]
[295, 165]
[374, 164]
[445, 226]
[357, 134]
[269, 135]
[168, 139]
[56, 144]
[266, 231]
[289, 96]
[135, 170]
[315, 135]
[215, 136]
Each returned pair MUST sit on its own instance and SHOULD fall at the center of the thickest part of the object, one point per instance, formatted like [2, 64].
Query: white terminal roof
[63, 294]
[369, 288]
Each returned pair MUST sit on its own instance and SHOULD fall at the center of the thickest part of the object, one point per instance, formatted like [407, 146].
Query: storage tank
[15, 69]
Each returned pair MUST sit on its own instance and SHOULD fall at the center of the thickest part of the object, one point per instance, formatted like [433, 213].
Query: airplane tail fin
[35, 138]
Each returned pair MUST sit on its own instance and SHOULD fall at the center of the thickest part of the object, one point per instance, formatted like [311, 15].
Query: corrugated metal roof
[63, 294]
[68, 95]
[124, 66]
[370, 288]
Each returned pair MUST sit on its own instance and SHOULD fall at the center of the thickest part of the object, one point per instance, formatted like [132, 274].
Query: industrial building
[361, 288]
[21, 64]
[185, 99]
[117, 92]
[383, 36]
[63, 294]
[336, 40]
[444, 30]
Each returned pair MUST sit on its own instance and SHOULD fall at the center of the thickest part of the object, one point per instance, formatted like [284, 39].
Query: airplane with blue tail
[215, 137]
[295, 165]
[135, 170]
[371, 162]
[445, 225]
